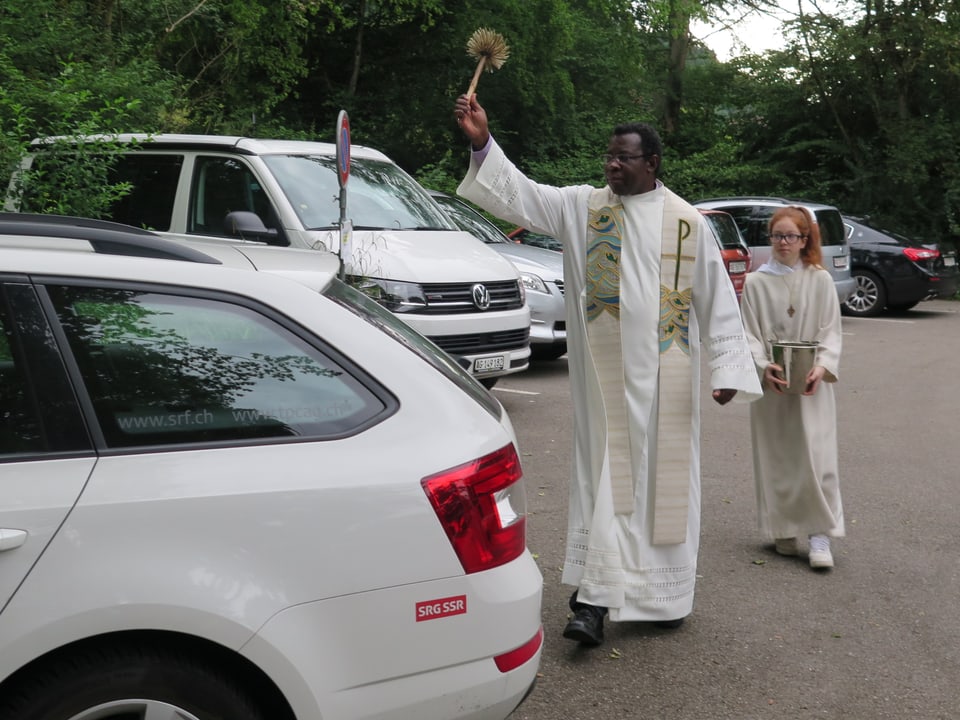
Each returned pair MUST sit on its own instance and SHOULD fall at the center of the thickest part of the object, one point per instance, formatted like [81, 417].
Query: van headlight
[395, 296]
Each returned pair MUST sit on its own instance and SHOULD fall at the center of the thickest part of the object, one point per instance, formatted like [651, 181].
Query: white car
[402, 250]
[229, 494]
[541, 272]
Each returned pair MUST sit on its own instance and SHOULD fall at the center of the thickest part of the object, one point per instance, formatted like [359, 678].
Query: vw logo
[481, 296]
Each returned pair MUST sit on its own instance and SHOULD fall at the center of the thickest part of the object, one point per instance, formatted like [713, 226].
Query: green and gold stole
[675, 392]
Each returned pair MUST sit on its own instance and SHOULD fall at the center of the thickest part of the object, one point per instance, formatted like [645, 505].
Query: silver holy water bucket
[796, 359]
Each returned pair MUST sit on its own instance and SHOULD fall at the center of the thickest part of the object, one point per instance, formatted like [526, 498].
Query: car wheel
[130, 684]
[488, 383]
[869, 298]
[549, 352]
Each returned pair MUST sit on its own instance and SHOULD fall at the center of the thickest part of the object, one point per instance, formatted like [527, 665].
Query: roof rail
[763, 198]
[747, 197]
[105, 237]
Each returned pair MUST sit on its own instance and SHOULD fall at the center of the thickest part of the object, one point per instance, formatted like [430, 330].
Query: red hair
[811, 253]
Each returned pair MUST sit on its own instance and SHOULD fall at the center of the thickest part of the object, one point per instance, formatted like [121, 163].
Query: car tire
[548, 352]
[123, 683]
[869, 298]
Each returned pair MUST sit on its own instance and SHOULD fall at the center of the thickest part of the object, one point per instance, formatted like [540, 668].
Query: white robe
[794, 437]
[610, 556]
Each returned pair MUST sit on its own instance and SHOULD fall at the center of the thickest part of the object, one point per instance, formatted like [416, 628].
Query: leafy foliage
[857, 112]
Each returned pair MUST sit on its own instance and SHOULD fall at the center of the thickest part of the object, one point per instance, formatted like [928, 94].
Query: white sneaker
[786, 546]
[820, 556]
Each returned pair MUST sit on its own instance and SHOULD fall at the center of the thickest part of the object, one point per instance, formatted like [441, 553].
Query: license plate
[738, 267]
[949, 261]
[840, 261]
[488, 364]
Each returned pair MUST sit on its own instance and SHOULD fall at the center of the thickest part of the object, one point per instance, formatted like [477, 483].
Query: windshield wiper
[420, 228]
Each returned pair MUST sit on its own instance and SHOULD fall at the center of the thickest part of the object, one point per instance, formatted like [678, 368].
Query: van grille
[457, 298]
[476, 343]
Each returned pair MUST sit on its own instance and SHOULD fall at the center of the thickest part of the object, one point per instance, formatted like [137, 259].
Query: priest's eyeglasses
[789, 238]
[621, 158]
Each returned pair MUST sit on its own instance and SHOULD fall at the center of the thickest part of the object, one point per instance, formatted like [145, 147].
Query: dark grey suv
[753, 214]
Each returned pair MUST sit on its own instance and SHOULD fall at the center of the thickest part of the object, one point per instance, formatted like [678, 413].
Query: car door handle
[10, 539]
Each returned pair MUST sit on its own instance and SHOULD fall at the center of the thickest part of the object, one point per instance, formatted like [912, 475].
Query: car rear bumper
[919, 284]
[376, 655]
[845, 287]
[945, 286]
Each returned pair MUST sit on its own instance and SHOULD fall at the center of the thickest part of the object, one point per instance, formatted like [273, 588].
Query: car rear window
[726, 231]
[753, 220]
[831, 227]
[162, 368]
[375, 314]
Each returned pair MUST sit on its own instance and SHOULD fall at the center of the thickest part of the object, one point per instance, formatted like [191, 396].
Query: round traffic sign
[343, 147]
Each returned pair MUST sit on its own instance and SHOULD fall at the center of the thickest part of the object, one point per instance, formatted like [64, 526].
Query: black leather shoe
[669, 624]
[586, 627]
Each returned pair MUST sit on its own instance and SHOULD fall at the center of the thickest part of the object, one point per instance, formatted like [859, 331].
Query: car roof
[31, 238]
[762, 200]
[102, 236]
[223, 143]
[713, 211]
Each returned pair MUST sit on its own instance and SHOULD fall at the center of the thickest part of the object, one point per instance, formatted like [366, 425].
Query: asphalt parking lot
[876, 638]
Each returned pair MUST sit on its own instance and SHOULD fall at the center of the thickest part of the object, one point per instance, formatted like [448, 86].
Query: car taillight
[483, 509]
[916, 254]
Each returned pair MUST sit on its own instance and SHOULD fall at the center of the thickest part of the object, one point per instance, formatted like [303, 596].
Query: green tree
[859, 114]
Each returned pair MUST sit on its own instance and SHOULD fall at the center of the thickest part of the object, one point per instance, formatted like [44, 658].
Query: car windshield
[379, 194]
[891, 236]
[471, 221]
[375, 314]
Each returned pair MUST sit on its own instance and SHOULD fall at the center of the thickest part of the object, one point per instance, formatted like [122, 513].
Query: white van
[403, 251]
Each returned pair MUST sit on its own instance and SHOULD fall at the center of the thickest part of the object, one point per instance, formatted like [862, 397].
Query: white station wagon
[228, 494]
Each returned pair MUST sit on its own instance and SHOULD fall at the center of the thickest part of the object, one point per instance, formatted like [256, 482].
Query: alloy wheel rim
[142, 709]
[865, 296]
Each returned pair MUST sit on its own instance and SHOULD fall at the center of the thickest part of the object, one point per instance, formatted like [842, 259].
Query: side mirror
[248, 226]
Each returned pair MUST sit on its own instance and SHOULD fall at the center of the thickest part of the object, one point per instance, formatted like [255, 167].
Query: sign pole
[343, 174]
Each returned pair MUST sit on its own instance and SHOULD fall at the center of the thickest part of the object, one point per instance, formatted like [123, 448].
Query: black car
[893, 272]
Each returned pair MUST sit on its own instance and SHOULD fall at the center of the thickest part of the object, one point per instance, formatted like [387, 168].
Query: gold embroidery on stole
[678, 252]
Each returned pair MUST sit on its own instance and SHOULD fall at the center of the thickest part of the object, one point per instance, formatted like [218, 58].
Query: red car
[734, 249]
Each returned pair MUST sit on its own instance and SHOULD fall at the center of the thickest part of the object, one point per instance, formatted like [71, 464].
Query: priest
[644, 283]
